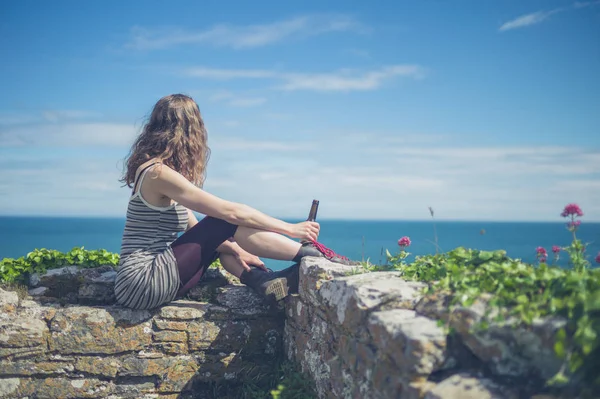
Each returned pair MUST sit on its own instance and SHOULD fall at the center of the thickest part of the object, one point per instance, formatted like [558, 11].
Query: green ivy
[520, 290]
[40, 260]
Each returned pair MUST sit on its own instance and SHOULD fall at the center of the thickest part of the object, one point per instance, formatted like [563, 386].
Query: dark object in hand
[312, 215]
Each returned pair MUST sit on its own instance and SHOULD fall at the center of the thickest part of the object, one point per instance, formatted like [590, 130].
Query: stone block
[23, 336]
[171, 348]
[35, 367]
[96, 330]
[464, 386]
[171, 325]
[9, 300]
[415, 344]
[350, 300]
[96, 294]
[100, 366]
[242, 301]
[170, 336]
[511, 349]
[62, 387]
[173, 373]
[183, 310]
[315, 271]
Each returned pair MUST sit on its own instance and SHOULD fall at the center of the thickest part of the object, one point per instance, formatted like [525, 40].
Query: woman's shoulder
[153, 166]
[158, 170]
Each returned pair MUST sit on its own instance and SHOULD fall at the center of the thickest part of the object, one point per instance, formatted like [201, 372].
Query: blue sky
[484, 111]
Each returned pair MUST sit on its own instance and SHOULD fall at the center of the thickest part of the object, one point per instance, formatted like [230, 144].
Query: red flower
[404, 241]
[571, 210]
[598, 258]
[555, 249]
[541, 252]
[543, 260]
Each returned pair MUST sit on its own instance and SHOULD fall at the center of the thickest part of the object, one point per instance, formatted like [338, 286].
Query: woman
[166, 170]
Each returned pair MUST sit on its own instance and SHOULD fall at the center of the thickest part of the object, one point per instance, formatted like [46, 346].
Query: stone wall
[65, 348]
[375, 335]
[361, 336]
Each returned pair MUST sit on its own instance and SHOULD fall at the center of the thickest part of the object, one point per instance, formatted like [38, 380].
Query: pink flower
[541, 252]
[404, 241]
[543, 260]
[555, 249]
[574, 224]
[571, 210]
[598, 258]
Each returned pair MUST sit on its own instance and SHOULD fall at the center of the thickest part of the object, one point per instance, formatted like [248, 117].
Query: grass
[286, 382]
[21, 290]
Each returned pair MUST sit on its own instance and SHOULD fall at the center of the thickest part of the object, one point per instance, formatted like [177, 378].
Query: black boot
[321, 251]
[291, 275]
[272, 285]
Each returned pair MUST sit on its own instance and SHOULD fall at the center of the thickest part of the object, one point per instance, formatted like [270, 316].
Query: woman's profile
[166, 170]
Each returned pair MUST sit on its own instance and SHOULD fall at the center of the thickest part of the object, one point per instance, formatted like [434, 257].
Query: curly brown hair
[175, 135]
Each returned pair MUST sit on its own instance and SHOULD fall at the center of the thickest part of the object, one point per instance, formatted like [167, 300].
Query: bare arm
[173, 185]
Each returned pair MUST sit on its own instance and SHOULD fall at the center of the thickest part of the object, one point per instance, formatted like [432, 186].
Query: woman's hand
[306, 231]
[247, 260]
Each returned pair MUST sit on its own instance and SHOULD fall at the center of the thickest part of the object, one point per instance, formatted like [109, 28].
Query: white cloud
[583, 4]
[62, 115]
[237, 100]
[247, 101]
[241, 37]
[228, 74]
[16, 118]
[376, 178]
[531, 183]
[65, 187]
[241, 144]
[344, 80]
[20, 118]
[537, 17]
[68, 135]
[528, 19]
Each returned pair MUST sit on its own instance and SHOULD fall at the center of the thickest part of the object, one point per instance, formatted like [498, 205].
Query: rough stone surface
[89, 330]
[184, 310]
[88, 286]
[211, 281]
[463, 386]
[354, 335]
[242, 301]
[377, 336]
[415, 344]
[52, 350]
[8, 301]
[22, 337]
[96, 294]
[39, 291]
[351, 299]
[99, 366]
[510, 350]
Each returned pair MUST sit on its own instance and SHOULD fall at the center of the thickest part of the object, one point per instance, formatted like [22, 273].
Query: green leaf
[485, 255]
[522, 299]
[559, 349]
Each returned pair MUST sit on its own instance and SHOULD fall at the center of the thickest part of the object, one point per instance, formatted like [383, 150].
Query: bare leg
[266, 244]
[231, 264]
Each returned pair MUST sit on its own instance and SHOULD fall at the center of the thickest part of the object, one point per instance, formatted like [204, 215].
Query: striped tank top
[147, 276]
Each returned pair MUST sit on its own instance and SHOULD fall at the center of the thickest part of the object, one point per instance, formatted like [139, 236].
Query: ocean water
[354, 239]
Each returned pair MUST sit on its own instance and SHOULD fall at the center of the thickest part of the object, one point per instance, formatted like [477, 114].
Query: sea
[359, 240]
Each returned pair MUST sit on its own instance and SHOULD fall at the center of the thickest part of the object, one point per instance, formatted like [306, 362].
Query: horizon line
[392, 220]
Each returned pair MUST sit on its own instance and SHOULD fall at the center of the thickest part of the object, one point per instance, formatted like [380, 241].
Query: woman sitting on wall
[166, 170]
